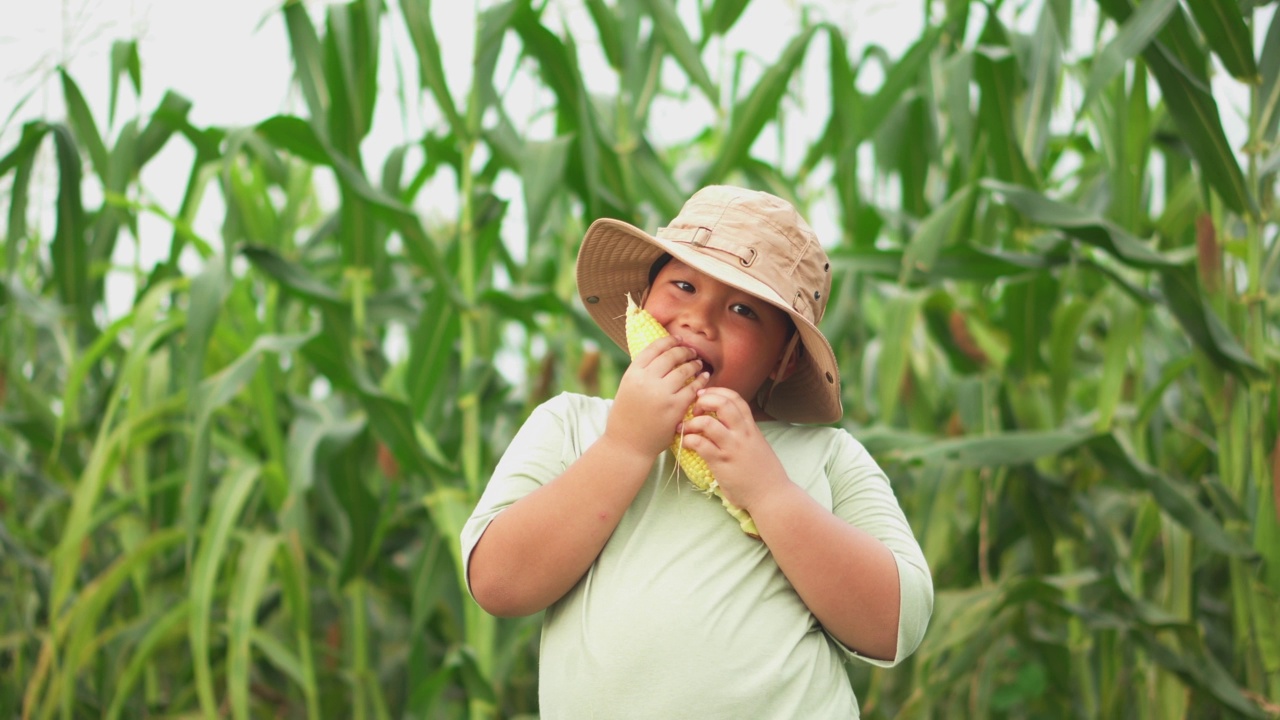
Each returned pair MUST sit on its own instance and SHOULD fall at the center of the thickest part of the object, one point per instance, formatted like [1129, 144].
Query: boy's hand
[653, 395]
[724, 432]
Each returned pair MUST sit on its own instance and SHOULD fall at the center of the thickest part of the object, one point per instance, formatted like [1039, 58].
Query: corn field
[1056, 309]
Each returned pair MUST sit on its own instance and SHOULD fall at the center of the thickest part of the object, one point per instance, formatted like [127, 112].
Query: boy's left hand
[724, 432]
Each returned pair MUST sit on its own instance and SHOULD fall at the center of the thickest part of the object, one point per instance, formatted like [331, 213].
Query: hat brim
[615, 259]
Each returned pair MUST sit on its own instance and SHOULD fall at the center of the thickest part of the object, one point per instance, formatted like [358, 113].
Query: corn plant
[1054, 307]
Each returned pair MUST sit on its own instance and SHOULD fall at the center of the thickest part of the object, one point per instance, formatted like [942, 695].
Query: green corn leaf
[1007, 449]
[491, 29]
[1178, 65]
[759, 107]
[393, 423]
[212, 395]
[1134, 35]
[246, 595]
[1198, 667]
[1225, 30]
[558, 66]
[294, 278]
[279, 655]
[70, 248]
[294, 579]
[219, 390]
[417, 18]
[722, 16]
[21, 160]
[164, 631]
[82, 124]
[1268, 104]
[1028, 312]
[1123, 334]
[901, 317]
[941, 228]
[1184, 509]
[316, 432]
[350, 56]
[432, 346]
[121, 168]
[608, 26]
[542, 174]
[209, 290]
[995, 69]
[1044, 71]
[295, 135]
[656, 181]
[1195, 112]
[361, 508]
[675, 36]
[1068, 319]
[1182, 295]
[171, 117]
[449, 508]
[900, 79]
[960, 262]
[1083, 226]
[215, 538]
[80, 621]
[150, 327]
[288, 132]
[308, 63]
[124, 61]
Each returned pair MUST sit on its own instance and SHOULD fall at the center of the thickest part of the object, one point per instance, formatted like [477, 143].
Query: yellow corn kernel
[642, 329]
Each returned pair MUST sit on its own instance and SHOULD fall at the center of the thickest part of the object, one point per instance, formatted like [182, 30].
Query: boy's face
[738, 337]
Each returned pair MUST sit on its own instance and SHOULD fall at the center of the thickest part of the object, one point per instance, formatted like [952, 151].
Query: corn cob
[642, 329]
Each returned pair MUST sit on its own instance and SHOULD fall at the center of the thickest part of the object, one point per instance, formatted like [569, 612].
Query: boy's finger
[674, 358]
[720, 400]
[655, 350]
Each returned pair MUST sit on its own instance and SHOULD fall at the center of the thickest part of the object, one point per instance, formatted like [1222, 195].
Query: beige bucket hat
[750, 240]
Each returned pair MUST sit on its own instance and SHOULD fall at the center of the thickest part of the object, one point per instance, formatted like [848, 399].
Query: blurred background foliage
[1055, 310]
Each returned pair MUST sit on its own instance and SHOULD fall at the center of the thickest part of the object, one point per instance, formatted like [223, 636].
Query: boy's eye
[743, 310]
[681, 284]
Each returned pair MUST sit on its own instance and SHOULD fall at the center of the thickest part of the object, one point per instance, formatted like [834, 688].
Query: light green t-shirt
[684, 616]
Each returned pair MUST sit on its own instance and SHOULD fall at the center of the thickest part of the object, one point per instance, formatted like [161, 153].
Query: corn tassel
[642, 329]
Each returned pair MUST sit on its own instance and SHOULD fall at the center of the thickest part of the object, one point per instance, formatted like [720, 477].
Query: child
[657, 604]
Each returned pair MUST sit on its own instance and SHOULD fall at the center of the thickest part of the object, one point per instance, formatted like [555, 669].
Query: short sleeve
[534, 458]
[863, 497]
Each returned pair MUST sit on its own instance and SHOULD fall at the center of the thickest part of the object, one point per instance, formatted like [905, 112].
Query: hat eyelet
[593, 299]
[830, 380]
[748, 261]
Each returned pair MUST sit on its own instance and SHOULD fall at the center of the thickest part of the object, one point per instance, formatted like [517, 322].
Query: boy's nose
[696, 319]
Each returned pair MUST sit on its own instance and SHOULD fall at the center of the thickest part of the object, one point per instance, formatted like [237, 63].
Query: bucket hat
[750, 240]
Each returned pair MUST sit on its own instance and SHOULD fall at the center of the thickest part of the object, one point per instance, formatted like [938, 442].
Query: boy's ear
[788, 361]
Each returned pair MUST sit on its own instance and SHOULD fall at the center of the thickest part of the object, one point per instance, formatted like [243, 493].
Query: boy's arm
[535, 550]
[846, 576]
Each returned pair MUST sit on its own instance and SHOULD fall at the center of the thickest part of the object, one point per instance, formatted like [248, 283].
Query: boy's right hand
[653, 395]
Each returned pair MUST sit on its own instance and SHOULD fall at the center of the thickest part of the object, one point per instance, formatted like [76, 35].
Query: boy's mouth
[707, 367]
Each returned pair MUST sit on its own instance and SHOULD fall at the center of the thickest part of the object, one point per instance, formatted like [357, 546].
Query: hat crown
[764, 236]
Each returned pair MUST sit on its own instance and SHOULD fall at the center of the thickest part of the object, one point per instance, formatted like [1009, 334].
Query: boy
[657, 604]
